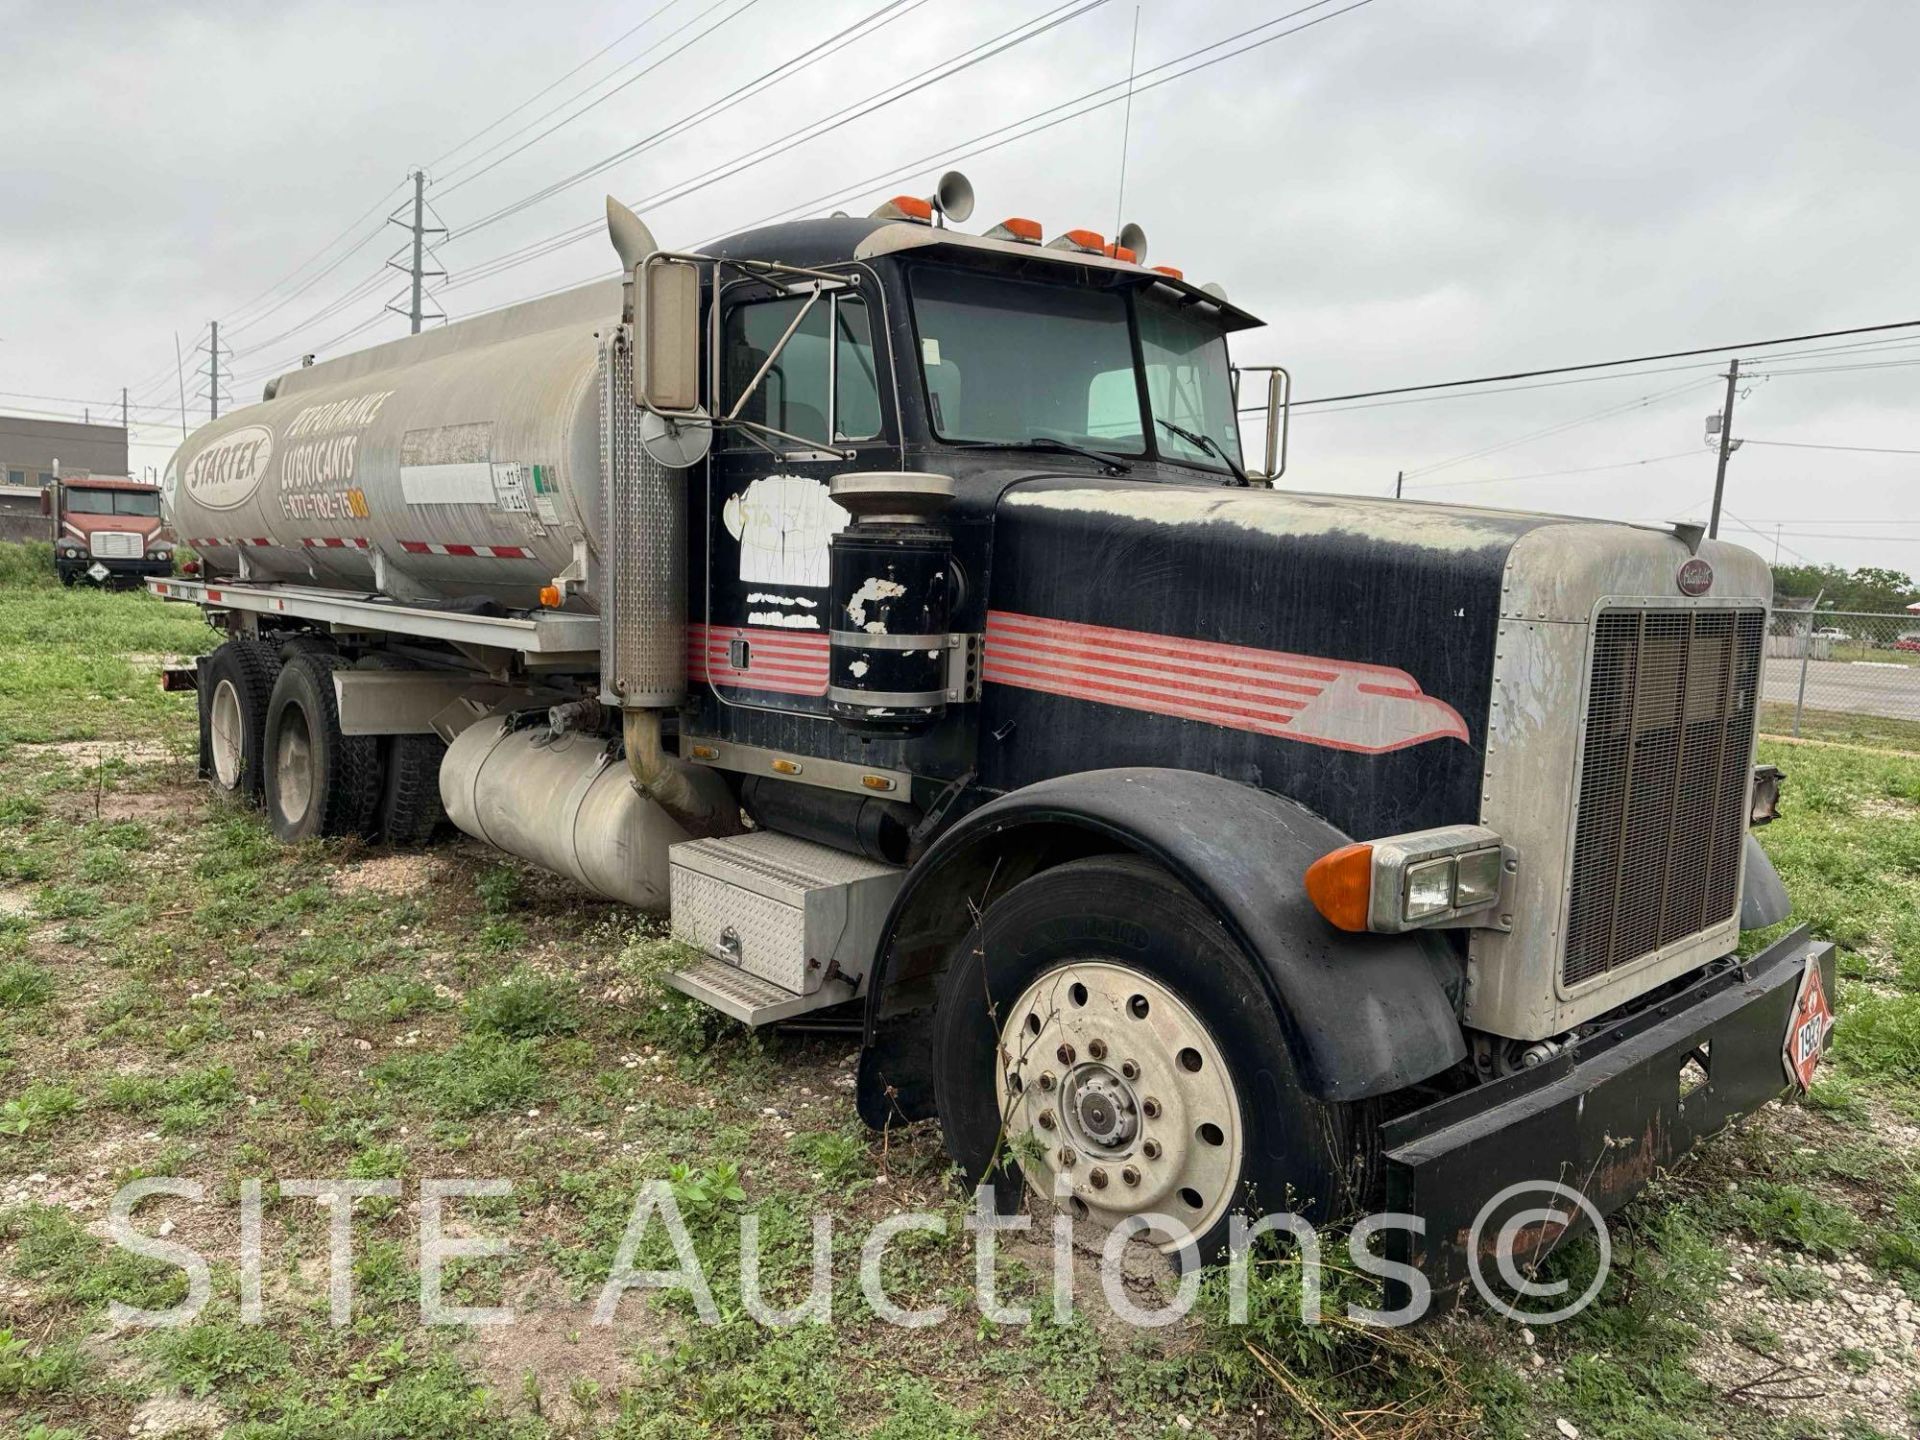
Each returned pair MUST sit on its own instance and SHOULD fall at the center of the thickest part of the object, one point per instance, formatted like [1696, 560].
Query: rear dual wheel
[1107, 1042]
[236, 683]
[321, 781]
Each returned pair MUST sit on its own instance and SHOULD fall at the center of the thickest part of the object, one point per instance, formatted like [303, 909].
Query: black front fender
[1364, 1014]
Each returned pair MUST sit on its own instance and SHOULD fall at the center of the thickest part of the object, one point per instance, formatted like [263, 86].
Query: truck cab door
[762, 639]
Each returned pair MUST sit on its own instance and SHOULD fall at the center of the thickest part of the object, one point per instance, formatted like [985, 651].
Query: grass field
[179, 996]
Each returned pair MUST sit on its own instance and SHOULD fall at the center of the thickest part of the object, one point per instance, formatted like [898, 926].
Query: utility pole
[212, 372]
[416, 270]
[1726, 448]
[1399, 477]
[123, 408]
[419, 240]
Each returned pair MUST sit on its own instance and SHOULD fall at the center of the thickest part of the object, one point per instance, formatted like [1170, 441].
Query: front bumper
[1603, 1117]
[117, 569]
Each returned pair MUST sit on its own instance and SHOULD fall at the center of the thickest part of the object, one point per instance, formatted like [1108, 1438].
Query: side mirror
[666, 330]
[1279, 398]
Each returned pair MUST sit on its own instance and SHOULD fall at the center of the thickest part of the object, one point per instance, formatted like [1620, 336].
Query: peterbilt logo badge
[226, 473]
[1695, 577]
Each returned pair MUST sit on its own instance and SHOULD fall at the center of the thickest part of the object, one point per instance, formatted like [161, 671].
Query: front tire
[321, 782]
[1106, 1032]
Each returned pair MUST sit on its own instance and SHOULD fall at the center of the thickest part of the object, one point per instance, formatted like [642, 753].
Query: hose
[664, 780]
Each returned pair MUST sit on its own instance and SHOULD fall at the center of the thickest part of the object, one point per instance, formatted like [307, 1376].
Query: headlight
[160, 552]
[1447, 876]
[1429, 889]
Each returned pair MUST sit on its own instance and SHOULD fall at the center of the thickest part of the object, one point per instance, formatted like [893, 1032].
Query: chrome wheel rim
[225, 729]
[1114, 1095]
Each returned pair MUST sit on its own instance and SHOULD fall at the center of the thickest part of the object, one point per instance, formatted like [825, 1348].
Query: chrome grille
[118, 545]
[1663, 784]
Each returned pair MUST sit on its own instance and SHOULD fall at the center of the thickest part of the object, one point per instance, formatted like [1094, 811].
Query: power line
[1554, 474]
[552, 85]
[792, 66]
[1598, 364]
[353, 225]
[915, 84]
[1809, 445]
[631, 79]
[1557, 428]
[1772, 535]
[952, 155]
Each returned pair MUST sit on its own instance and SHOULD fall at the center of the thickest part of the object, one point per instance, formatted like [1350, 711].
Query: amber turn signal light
[1340, 884]
[550, 596]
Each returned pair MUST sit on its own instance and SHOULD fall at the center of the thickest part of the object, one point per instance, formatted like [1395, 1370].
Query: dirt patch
[1883, 807]
[16, 902]
[573, 1363]
[176, 1415]
[112, 806]
[388, 875]
[95, 752]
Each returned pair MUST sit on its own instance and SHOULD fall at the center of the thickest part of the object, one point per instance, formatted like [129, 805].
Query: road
[1891, 690]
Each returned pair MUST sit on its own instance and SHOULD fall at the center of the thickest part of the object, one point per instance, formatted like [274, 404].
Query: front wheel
[1106, 1041]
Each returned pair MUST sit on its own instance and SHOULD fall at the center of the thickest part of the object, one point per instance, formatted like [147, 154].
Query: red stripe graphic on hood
[1340, 704]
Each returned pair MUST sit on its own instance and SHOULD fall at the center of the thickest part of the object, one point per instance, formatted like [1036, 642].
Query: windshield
[1189, 385]
[1012, 361]
[113, 502]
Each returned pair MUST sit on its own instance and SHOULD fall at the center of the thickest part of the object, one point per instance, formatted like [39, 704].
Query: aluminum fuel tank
[461, 463]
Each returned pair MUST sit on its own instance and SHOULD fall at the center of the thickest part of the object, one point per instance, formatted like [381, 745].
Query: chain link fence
[1843, 676]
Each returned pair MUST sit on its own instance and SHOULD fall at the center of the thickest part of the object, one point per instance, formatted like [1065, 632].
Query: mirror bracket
[1278, 412]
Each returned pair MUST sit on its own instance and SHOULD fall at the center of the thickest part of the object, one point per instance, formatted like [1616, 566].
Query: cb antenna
[1126, 125]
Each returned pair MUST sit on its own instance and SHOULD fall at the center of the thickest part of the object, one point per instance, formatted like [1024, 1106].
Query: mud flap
[1604, 1118]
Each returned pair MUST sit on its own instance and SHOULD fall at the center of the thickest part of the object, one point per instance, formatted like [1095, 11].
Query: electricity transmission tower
[411, 258]
[215, 353]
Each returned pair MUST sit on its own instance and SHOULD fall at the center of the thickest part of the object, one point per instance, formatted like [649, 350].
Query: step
[749, 999]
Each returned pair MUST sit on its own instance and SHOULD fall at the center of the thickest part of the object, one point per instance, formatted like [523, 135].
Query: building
[30, 449]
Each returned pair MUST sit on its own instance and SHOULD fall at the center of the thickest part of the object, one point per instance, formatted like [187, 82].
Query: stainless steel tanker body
[462, 462]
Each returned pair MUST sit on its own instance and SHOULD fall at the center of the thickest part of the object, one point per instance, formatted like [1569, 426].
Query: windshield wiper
[1113, 464]
[1208, 444]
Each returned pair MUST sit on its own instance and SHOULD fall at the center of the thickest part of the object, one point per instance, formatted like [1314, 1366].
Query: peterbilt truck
[894, 607]
[106, 530]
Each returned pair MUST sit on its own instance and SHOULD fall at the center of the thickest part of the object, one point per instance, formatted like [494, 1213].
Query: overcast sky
[1407, 192]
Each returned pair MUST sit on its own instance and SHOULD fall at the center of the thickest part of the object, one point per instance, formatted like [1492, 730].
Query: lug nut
[1067, 1157]
[1097, 1049]
[1066, 1054]
[1129, 1069]
[1097, 1178]
[1130, 1175]
[1151, 1149]
[1046, 1120]
[1046, 1080]
[1150, 1108]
